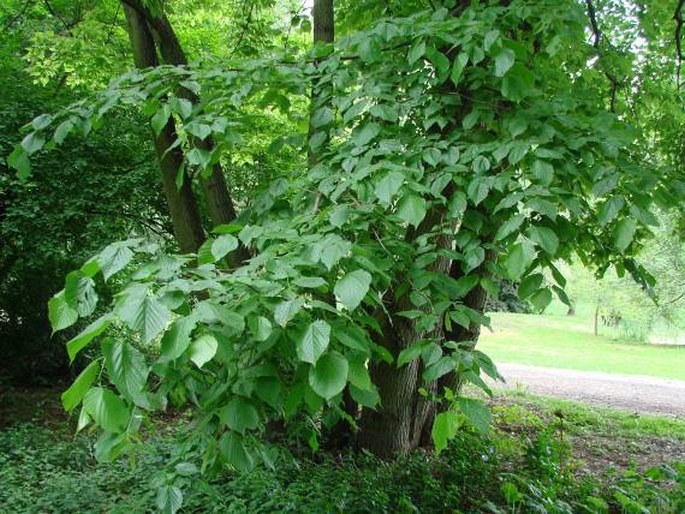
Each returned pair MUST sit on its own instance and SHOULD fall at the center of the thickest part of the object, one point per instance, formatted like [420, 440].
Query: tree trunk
[185, 215]
[220, 206]
[324, 32]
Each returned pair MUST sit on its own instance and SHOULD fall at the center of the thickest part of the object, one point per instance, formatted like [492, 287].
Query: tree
[467, 144]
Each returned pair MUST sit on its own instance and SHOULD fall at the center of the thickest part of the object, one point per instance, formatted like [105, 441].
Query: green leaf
[529, 285]
[260, 327]
[444, 428]
[107, 409]
[309, 282]
[19, 160]
[504, 60]
[240, 415]
[203, 349]
[412, 209]
[443, 366]
[73, 396]
[334, 250]
[543, 171]
[509, 227]
[114, 258]
[416, 52]
[313, 342]
[169, 499]
[458, 67]
[60, 313]
[541, 299]
[329, 376]
[410, 353]
[358, 374]
[624, 233]
[610, 209]
[322, 117]
[490, 38]
[142, 312]
[388, 186]
[63, 130]
[366, 134]
[365, 397]
[160, 119]
[223, 245]
[177, 339]
[477, 412]
[478, 189]
[93, 330]
[234, 452]
[126, 367]
[517, 261]
[544, 237]
[32, 143]
[351, 289]
[287, 310]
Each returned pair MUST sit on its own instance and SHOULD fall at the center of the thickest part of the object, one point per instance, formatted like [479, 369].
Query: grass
[586, 420]
[561, 341]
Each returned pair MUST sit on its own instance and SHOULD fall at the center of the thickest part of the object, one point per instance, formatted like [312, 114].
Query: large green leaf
[412, 209]
[504, 60]
[234, 452]
[107, 410]
[545, 238]
[60, 313]
[388, 186]
[329, 376]
[142, 312]
[73, 396]
[126, 367]
[240, 415]
[260, 327]
[169, 499]
[477, 412]
[177, 339]
[351, 289]
[114, 258]
[313, 342]
[223, 245]
[203, 349]
[93, 330]
[517, 261]
[287, 310]
[624, 233]
[444, 428]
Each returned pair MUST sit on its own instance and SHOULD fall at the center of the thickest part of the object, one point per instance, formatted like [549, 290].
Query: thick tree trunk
[387, 431]
[185, 215]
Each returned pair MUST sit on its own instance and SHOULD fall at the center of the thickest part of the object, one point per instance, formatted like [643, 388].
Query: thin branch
[597, 35]
[16, 17]
[678, 17]
[54, 13]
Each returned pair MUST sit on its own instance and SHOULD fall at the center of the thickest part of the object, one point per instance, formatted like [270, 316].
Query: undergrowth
[523, 465]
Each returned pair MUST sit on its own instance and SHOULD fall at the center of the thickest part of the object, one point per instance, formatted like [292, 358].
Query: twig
[597, 35]
[678, 17]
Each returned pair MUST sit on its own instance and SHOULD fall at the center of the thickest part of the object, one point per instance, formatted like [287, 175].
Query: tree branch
[678, 17]
[597, 36]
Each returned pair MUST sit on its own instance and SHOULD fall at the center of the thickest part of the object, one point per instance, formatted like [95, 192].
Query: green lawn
[561, 341]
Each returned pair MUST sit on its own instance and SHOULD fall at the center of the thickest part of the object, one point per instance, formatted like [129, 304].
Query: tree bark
[185, 215]
[220, 206]
[324, 32]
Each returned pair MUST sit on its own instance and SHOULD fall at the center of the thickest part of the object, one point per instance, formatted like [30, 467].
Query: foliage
[452, 138]
[44, 470]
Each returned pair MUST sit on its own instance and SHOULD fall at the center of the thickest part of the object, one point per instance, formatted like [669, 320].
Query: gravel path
[635, 393]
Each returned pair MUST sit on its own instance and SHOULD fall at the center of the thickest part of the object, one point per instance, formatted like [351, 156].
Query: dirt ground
[639, 394]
